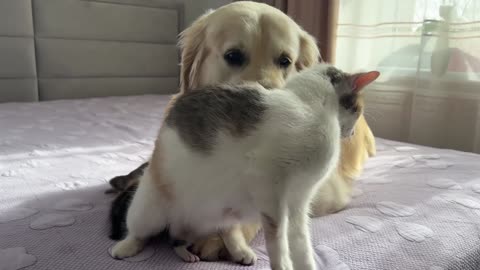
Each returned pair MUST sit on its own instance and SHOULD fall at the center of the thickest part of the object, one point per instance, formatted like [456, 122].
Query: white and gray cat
[232, 154]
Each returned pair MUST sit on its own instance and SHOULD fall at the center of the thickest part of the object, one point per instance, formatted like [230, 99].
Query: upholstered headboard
[58, 49]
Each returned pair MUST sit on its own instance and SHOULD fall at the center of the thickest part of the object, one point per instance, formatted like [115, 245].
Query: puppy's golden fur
[263, 34]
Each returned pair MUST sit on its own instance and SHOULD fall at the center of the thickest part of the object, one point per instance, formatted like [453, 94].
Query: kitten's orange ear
[360, 80]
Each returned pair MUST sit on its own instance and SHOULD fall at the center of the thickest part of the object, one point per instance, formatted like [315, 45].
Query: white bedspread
[414, 207]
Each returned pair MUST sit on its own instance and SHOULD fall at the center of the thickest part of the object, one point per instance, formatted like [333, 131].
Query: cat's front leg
[237, 246]
[145, 218]
[299, 235]
[128, 247]
[275, 230]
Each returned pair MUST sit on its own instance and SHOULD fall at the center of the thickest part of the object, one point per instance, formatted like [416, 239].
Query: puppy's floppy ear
[309, 53]
[192, 45]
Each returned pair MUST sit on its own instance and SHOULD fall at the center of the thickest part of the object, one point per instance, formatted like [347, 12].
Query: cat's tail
[118, 212]
[122, 182]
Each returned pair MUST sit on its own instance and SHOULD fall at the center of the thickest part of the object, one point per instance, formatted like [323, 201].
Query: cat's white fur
[271, 175]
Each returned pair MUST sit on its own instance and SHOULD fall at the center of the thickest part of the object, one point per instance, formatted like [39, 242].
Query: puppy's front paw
[244, 256]
[210, 249]
[127, 248]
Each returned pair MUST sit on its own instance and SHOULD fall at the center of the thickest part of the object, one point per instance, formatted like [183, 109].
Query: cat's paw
[191, 258]
[244, 256]
[127, 248]
[186, 255]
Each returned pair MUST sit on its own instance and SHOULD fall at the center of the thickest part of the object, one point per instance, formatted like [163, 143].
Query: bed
[414, 207]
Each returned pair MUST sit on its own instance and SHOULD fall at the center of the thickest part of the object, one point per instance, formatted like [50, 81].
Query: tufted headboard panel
[17, 52]
[61, 49]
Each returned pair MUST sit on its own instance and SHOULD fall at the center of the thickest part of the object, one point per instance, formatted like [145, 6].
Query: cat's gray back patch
[199, 115]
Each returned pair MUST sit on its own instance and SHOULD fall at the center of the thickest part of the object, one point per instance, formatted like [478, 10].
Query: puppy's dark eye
[284, 61]
[235, 58]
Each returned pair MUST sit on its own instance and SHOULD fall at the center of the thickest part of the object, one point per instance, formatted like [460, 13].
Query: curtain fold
[318, 17]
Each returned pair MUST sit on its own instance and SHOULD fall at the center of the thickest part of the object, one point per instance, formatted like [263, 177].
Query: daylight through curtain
[428, 52]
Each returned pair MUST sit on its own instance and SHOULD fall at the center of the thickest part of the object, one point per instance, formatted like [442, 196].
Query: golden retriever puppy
[248, 41]
[244, 41]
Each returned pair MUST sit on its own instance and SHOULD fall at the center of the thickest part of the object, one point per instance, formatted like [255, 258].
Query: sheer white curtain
[428, 52]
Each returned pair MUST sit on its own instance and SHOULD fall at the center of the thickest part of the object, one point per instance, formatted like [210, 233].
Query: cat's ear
[360, 80]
